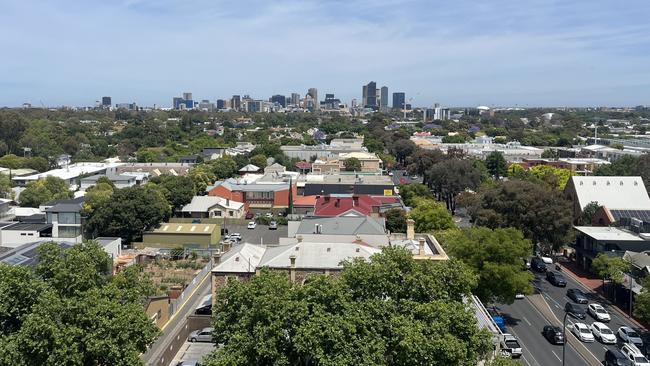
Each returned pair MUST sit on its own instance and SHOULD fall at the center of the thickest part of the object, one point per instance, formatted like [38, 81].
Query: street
[260, 235]
[524, 319]
[399, 178]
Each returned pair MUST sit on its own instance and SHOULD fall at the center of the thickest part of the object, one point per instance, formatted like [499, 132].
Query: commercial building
[235, 102]
[313, 93]
[119, 180]
[593, 240]
[174, 235]
[257, 192]
[106, 102]
[279, 99]
[70, 174]
[336, 147]
[481, 147]
[221, 104]
[579, 166]
[384, 99]
[370, 95]
[370, 163]
[152, 169]
[317, 184]
[399, 100]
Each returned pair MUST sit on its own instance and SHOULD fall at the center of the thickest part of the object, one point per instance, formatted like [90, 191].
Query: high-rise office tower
[235, 102]
[370, 95]
[383, 100]
[187, 96]
[295, 99]
[221, 104]
[398, 100]
[106, 102]
[313, 92]
[280, 99]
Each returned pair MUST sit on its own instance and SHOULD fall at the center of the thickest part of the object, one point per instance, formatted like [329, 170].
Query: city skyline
[503, 53]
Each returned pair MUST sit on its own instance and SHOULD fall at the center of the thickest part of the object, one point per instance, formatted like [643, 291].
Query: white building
[70, 174]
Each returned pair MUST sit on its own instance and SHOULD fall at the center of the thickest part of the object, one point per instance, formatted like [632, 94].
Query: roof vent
[297, 248]
[607, 182]
[622, 183]
[358, 250]
[236, 259]
[581, 183]
[594, 183]
[329, 250]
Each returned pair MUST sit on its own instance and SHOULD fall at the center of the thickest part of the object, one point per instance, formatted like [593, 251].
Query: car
[510, 345]
[598, 312]
[252, 225]
[249, 215]
[556, 279]
[520, 296]
[614, 357]
[273, 225]
[577, 296]
[235, 236]
[555, 335]
[414, 177]
[269, 215]
[582, 332]
[634, 354]
[188, 363]
[603, 333]
[201, 335]
[575, 310]
[405, 173]
[497, 317]
[538, 265]
[629, 335]
[390, 174]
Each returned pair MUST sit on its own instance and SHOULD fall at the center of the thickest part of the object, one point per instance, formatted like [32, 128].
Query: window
[69, 231]
[230, 213]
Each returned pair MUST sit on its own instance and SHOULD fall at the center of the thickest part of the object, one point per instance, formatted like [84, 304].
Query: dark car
[614, 357]
[537, 264]
[553, 334]
[249, 215]
[556, 279]
[577, 296]
[575, 310]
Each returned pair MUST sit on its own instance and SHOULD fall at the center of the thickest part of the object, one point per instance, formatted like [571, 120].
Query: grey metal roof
[26, 226]
[315, 255]
[111, 177]
[615, 193]
[343, 225]
[65, 207]
[27, 254]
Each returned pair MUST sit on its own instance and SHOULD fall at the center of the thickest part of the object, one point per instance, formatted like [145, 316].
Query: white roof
[242, 258]
[606, 233]
[204, 203]
[615, 193]
[71, 171]
[249, 168]
[315, 255]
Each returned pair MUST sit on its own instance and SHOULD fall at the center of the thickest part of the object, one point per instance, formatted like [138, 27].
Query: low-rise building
[174, 235]
[71, 174]
[355, 205]
[119, 180]
[593, 240]
[153, 169]
[213, 207]
[65, 218]
[15, 234]
[369, 164]
[257, 192]
[579, 166]
[317, 184]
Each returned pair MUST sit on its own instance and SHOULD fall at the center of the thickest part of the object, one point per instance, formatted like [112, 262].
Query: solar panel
[643, 215]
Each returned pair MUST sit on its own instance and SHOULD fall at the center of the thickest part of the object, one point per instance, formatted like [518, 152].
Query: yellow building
[173, 235]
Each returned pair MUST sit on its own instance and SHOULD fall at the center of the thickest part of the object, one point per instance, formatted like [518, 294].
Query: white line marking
[526, 320]
[556, 356]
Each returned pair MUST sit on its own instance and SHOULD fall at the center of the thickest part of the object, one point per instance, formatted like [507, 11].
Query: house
[355, 205]
[111, 245]
[118, 180]
[211, 153]
[27, 254]
[303, 166]
[190, 159]
[65, 218]
[369, 230]
[316, 184]
[257, 192]
[276, 169]
[304, 205]
[15, 234]
[250, 168]
[619, 196]
[213, 206]
[152, 169]
[174, 235]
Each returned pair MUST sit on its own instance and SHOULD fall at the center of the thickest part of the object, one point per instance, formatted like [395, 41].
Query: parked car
[252, 225]
[582, 332]
[553, 334]
[629, 335]
[249, 215]
[498, 319]
[204, 310]
[511, 346]
[537, 264]
[269, 215]
[235, 236]
[201, 335]
[556, 279]
[603, 333]
[598, 312]
[577, 296]
[634, 354]
[614, 357]
[273, 225]
[575, 310]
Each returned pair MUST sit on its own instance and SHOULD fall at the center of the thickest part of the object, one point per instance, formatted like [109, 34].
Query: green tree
[430, 216]
[395, 220]
[555, 177]
[496, 164]
[37, 163]
[5, 186]
[97, 195]
[178, 190]
[610, 268]
[201, 176]
[72, 311]
[392, 310]
[258, 160]
[588, 213]
[44, 190]
[451, 177]
[129, 213]
[543, 215]
[413, 191]
[224, 167]
[642, 301]
[550, 154]
[455, 139]
[402, 149]
[422, 160]
[496, 258]
[12, 161]
[352, 165]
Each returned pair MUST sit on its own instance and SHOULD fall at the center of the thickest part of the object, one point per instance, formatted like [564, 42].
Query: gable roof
[241, 258]
[615, 193]
[339, 204]
[204, 203]
[343, 225]
[250, 168]
[316, 255]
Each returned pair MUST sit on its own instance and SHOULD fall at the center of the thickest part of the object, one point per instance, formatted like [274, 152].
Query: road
[525, 319]
[260, 235]
[192, 352]
[399, 178]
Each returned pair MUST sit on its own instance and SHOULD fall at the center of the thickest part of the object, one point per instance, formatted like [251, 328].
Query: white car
[598, 312]
[252, 225]
[602, 332]
[634, 354]
[629, 335]
[235, 236]
[582, 332]
[269, 215]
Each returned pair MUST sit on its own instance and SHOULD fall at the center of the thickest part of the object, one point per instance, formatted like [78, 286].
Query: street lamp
[566, 339]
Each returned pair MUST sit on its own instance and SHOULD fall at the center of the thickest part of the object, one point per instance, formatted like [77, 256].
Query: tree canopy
[44, 190]
[72, 311]
[395, 220]
[178, 190]
[451, 177]
[391, 311]
[413, 191]
[496, 164]
[430, 216]
[352, 165]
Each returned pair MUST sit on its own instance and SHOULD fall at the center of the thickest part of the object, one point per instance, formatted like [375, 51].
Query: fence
[174, 304]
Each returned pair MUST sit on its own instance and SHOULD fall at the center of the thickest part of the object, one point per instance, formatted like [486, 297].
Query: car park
[634, 354]
[598, 312]
[273, 225]
[555, 335]
[538, 265]
[201, 335]
[614, 357]
[575, 310]
[556, 279]
[603, 333]
[252, 225]
[577, 296]
[582, 332]
[629, 335]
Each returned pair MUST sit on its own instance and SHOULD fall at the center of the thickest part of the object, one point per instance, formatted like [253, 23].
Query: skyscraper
[295, 99]
[189, 102]
[235, 102]
[106, 102]
[398, 100]
[221, 104]
[280, 99]
[313, 92]
[370, 95]
[384, 99]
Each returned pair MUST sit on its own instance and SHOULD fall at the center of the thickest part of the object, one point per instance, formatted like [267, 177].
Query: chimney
[410, 229]
[292, 271]
[338, 202]
[327, 199]
[355, 201]
[299, 238]
[421, 249]
[217, 258]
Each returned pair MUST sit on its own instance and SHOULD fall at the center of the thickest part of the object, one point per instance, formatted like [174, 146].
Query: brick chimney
[355, 201]
[410, 229]
[421, 249]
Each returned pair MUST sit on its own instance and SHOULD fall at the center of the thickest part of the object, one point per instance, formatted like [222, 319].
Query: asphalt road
[399, 178]
[260, 235]
[525, 321]
[192, 352]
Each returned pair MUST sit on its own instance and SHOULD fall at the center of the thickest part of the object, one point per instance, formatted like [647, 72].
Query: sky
[456, 53]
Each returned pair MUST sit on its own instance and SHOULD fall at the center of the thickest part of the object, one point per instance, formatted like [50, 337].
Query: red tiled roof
[303, 165]
[304, 200]
[330, 206]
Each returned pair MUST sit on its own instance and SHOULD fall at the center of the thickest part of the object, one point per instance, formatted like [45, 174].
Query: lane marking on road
[526, 320]
[523, 347]
[556, 356]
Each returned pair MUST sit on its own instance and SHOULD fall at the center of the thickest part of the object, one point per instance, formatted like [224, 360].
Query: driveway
[192, 352]
[260, 235]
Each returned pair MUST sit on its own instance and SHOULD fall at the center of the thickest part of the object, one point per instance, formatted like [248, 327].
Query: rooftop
[183, 228]
[27, 254]
[70, 172]
[26, 226]
[204, 203]
[607, 233]
[342, 226]
[615, 193]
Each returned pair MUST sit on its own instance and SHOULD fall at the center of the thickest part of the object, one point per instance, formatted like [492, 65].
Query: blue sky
[493, 52]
